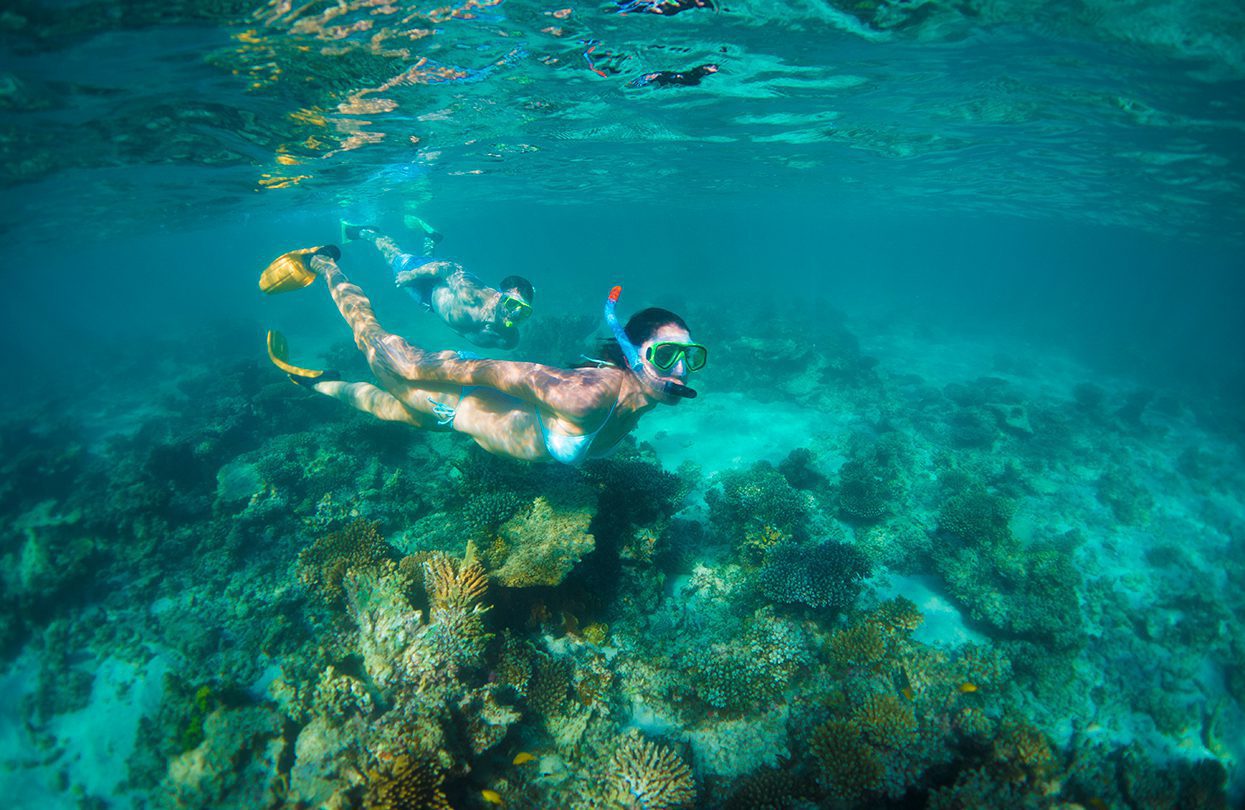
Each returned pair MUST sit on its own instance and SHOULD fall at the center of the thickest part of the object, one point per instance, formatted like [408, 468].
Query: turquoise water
[955, 521]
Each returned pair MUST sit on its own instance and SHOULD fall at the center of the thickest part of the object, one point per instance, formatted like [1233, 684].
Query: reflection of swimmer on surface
[485, 316]
[671, 78]
[522, 410]
[667, 7]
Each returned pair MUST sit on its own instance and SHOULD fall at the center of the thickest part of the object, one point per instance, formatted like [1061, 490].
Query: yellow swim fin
[292, 271]
[279, 352]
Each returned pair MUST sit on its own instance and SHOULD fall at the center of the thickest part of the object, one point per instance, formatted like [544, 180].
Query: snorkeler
[669, 78]
[485, 316]
[522, 410]
[668, 8]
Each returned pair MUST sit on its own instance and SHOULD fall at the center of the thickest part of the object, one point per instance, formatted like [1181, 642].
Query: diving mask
[666, 354]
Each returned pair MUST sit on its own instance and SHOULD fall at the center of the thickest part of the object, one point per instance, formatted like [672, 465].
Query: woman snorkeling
[522, 410]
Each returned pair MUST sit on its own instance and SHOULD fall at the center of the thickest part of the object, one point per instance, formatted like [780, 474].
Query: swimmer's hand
[405, 278]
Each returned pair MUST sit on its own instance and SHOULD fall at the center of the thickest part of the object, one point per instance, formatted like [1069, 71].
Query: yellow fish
[907, 692]
[968, 687]
[492, 797]
[522, 757]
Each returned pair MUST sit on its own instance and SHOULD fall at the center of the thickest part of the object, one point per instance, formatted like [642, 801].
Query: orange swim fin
[279, 352]
[292, 271]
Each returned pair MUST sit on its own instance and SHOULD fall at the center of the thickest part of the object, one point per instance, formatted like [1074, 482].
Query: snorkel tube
[632, 355]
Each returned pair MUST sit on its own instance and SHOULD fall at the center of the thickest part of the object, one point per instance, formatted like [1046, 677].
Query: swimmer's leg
[387, 354]
[376, 401]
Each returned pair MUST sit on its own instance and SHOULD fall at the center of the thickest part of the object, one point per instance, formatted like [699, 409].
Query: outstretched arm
[570, 392]
[438, 269]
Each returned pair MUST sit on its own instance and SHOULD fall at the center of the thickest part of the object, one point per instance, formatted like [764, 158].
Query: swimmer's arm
[569, 392]
[438, 269]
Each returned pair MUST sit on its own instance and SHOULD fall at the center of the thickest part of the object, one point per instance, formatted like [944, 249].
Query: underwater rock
[325, 762]
[236, 765]
[540, 547]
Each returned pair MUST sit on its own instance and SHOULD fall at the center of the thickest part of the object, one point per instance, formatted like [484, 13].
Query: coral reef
[359, 547]
[540, 546]
[646, 775]
[827, 575]
[407, 784]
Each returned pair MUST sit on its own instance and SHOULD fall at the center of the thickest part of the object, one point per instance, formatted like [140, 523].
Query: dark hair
[521, 284]
[640, 327]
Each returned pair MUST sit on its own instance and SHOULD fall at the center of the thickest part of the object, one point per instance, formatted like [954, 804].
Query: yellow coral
[650, 776]
[451, 584]
[596, 633]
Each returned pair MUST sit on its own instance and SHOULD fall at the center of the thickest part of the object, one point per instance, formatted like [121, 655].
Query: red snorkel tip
[614, 293]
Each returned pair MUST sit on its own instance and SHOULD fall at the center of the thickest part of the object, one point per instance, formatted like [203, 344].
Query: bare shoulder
[578, 392]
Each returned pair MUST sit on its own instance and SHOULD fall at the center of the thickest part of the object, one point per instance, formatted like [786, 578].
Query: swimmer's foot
[310, 382]
[417, 224]
[293, 270]
[352, 232]
[278, 353]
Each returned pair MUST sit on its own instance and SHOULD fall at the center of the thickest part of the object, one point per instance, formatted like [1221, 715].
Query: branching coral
[454, 591]
[753, 670]
[767, 789]
[647, 776]
[848, 766]
[453, 584]
[359, 547]
[823, 576]
[976, 517]
[408, 784]
[885, 721]
[757, 498]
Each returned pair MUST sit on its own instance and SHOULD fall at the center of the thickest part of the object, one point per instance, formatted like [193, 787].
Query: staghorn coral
[359, 547]
[483, 512]
[408, 784]
[647, 776]
[541, 546]
[824, 576]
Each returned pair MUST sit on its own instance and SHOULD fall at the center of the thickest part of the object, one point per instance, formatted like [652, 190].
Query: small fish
[522, 757]
[908, 693]
[968, 687]
[1098, 804]
[492, 797]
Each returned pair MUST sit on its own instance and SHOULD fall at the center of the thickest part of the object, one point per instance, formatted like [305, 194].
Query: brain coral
[824, 576]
